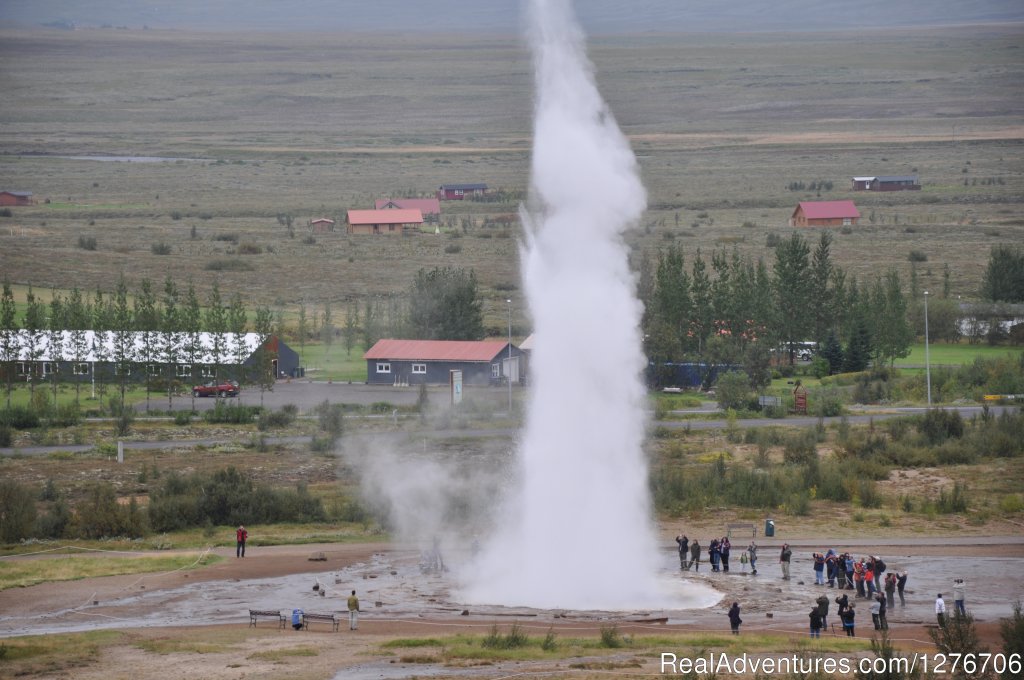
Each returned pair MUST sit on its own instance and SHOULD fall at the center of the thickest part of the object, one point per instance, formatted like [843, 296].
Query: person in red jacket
[240, 537]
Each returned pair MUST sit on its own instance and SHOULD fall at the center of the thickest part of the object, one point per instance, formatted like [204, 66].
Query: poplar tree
[169, 338]
[147, 324]
[237, 321]
[191, 325]
[264, 363]
[124, 337]
[78, 325]
[351, 327]
[34, 335]
[217, 326]
[9, 337]
[792, 287]
[55, 325]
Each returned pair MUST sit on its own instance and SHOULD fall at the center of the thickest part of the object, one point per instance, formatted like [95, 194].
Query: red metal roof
[385, 217]
[824, 210]
[424, 205]
[436, 350]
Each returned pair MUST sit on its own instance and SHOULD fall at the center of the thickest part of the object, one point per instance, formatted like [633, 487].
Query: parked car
[225, 388]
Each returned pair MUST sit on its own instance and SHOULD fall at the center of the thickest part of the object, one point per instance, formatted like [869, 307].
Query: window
[183, 370]
[383, 368]
[153, 369]
[419, 369]
[22, 368]
[80, 369]
[206, 371]
[122, 369]
[49, 368]
[847, 221]
[495, 370]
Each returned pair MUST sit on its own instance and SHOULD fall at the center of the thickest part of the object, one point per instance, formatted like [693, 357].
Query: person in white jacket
[958, 597]
[940, 610]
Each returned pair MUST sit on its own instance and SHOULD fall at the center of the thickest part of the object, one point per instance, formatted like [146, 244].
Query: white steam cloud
[577, 531]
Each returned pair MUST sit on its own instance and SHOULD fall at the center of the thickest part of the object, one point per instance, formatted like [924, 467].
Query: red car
[226, 388]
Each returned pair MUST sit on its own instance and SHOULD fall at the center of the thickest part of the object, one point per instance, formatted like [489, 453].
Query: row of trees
[167, 326]
[732, 310]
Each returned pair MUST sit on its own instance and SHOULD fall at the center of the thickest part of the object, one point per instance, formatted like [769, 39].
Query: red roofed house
[411, 362]
[382, 221]
[824, 214]
[430, 207]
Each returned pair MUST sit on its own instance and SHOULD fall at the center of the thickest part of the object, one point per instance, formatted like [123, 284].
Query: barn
[430, 207]
[457, 192]
[412, 362]
[383, 221]
[321, 225]
[9, 198]
[887, 183]
[824, 214]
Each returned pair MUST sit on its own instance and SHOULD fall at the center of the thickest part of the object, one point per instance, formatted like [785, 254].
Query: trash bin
[769, 528]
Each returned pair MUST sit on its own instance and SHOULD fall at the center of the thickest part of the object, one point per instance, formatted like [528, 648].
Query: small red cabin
[824, 214]
[15, 198]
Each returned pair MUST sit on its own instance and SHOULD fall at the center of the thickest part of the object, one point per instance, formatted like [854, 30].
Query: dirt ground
[234, 650]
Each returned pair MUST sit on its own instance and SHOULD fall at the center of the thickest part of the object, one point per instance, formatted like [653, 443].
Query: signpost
[455, 386]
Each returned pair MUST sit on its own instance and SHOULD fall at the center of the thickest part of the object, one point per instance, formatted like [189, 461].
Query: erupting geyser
[577, 530]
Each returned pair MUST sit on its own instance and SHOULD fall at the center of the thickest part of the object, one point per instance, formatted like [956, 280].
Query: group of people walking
[865, 576]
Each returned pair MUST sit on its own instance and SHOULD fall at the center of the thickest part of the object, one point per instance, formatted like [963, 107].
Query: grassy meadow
[257, 126]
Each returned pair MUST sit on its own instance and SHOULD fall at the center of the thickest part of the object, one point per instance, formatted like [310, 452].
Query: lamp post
[509, 376]
[927, 362]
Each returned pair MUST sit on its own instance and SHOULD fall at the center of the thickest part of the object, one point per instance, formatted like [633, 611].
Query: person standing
[743, 561]
[823, 610]
[297, 619]
[752, 551]
[695, 555]
[890, 590]
[714, 554]
[241, 536]
[958, 597]
[816, 623]
[353, 611]
[734, 618]
[874, 613]
[784, 558]
[848, 618]
[819, 569]
[901, 583]
[684, 547]
[724, 548]
[882, 608]
[940, 611]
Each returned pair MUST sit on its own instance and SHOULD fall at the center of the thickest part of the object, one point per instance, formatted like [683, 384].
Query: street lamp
[927, 362]
[509, 376]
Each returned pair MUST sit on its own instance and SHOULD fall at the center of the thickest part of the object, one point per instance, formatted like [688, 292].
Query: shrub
[800, 447]
[182, 418]
[229, 265]
[610, 637]
[17, 511]
[250, 249]
[175, 215]
[231, 413]
[6, 434]
[87, 242]
[160, 248]
[938, 425]
[453, 248]
[954, 501]
[513, 639]
[1012, 632]
[230, 237]
[66, 415]
[733, 391]
[917, 256]
[282, 418]
[309, 240]
[19, 418]
[6, 212]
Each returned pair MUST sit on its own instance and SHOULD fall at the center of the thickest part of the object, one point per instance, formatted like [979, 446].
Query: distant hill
[503, 16]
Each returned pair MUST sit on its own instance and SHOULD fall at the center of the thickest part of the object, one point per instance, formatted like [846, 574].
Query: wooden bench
[327, 618]
[752, 528]
[267, 613]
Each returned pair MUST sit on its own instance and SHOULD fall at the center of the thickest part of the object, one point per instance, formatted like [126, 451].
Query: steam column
[927, 363]
[509, 376]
